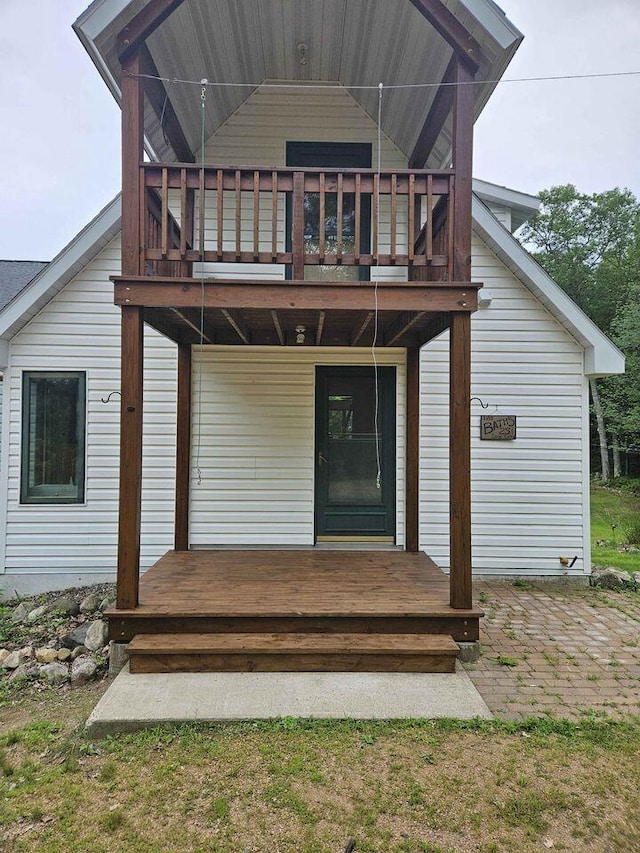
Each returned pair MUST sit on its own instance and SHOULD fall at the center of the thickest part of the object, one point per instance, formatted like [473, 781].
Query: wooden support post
[132, 342]
[412, 471]
[130, 458]
[463, 110]
[460, 460]
[132, 154]
[183, 448]
[460, 346]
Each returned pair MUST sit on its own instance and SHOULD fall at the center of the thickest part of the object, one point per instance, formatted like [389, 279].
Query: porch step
[292, 652]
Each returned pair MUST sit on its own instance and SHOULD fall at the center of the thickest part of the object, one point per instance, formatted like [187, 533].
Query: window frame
[42, 496]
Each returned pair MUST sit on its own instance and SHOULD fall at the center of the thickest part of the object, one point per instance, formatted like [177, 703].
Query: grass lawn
[622, 509]
[310, 787]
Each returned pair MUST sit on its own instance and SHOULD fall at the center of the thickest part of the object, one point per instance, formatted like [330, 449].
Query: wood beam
[452, 31]
[440, 108]
[157, 94]
[232, 294]
[321, 318]
[361, 326]
[460, 461]
[463, 105]
[403, 324]
[132, 153]
[412, 472]
[130, 500]
[183, 449]
[278, 327]
[142, 25]
[238, 325]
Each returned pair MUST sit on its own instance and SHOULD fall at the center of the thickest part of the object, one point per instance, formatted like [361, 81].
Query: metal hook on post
[484, 405]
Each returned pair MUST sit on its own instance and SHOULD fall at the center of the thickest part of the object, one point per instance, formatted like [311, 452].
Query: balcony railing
[296, 217]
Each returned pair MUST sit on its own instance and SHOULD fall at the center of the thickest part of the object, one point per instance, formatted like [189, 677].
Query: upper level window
[53, 437]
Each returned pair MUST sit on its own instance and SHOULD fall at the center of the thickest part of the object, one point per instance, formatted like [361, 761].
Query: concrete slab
[135, 701]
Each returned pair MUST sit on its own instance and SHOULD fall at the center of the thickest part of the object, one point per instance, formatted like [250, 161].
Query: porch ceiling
[278, 327]
[355, 43]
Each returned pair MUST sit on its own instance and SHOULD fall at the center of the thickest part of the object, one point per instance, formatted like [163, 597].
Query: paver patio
[552, 648]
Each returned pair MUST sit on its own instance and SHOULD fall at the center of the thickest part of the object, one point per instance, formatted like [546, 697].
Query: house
[291, 323]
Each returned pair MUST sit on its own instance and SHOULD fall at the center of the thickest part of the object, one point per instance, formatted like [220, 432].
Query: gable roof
[354, 43]
[522, 205]
[52, 277]
[14, 276]
[602, 357]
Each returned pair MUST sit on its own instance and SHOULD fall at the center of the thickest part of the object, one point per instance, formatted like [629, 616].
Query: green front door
[355, 492]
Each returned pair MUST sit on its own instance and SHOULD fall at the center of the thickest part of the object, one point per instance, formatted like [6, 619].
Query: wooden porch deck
[305, 591]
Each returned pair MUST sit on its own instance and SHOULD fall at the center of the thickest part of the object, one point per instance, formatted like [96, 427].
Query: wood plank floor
[295, 583]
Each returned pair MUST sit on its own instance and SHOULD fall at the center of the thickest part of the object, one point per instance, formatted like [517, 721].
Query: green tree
[590, 245]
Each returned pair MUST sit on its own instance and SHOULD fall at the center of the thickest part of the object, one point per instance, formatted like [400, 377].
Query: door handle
[322, 460]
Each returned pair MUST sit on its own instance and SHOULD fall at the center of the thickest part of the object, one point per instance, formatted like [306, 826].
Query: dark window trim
[79, 497]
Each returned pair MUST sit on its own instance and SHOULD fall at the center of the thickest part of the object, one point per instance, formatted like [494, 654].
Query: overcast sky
[60, 137]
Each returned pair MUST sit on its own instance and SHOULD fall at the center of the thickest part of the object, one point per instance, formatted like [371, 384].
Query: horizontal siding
[527, 495]
[80, 330]
[253, 409]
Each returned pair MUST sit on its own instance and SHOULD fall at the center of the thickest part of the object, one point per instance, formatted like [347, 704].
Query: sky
[60, 126]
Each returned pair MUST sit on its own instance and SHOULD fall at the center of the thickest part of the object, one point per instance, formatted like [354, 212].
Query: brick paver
[557, 649]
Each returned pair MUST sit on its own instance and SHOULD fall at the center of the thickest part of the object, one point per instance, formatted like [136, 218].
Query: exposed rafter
[396, 330]
[159, 320]
[159, 99]
[434, 122]
[236, 322]
[186, 315]
[361, 327]
[436, 327]
[277, 326]
[320, 329]
[452, 31]
[143, 24]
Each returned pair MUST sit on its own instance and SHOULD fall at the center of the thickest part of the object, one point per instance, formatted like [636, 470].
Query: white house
[344, 347]
[533, 353]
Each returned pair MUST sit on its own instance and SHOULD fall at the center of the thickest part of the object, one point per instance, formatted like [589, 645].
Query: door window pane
[352, 460]
[53, 437]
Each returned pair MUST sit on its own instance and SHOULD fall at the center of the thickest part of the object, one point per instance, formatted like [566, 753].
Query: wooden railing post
[132, 341]
[183, 448]
[297, 230]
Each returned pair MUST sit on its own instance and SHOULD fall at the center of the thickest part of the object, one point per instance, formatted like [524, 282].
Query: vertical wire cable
[375, 296]
[203, 101]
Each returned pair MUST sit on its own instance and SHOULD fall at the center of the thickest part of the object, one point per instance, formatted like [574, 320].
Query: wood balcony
[299, 218]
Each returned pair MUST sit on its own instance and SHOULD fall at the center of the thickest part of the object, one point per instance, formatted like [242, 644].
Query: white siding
[80, 330]
[527, 495]
[254, 410]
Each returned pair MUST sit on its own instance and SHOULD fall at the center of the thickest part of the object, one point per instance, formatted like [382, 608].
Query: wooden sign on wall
[497, 427]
